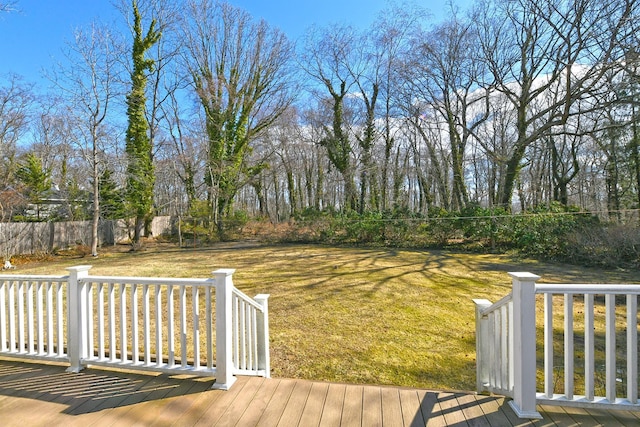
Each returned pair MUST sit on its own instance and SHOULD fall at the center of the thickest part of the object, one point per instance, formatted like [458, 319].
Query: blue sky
[32, 36]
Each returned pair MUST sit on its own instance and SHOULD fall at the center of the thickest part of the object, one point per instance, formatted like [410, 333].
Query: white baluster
[146, 322]
[632, 346]
[548, 345]
[195, 306]
[123, 323]
[135, 345]
[159, 325]
[568, 346]
[112, 321]
[610, 346]
[264, 360]
[589, 348]
[101, 317]
[171, 345]
[183, 325]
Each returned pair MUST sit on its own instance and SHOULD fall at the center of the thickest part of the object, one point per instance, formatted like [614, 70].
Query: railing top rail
[247, 299]
[496, 305]
[148, 280]
[582, 288]
[34, 277]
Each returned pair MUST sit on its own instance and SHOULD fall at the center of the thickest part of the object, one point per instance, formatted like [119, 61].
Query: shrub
[609, 245]
[543, 233]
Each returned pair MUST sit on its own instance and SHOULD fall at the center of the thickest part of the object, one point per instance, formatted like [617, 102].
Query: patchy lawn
[355, 315]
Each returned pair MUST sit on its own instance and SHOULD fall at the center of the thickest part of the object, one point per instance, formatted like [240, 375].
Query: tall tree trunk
[96, 198]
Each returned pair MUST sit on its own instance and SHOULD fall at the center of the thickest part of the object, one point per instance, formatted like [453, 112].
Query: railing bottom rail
[583, 402]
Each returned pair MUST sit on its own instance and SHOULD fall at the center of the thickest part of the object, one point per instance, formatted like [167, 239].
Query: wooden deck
[45, 395]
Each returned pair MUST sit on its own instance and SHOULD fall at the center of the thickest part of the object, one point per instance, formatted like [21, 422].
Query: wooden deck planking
[371, 406]
[332, 413]
[411, 411]
[278, 402]
[468, 405]
[312, 412]
[352, 406]
[259, 404]
[46, 395]
[391, 407]
[295, 405]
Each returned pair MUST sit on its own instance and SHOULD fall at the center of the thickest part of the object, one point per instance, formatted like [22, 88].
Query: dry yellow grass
[357, 315]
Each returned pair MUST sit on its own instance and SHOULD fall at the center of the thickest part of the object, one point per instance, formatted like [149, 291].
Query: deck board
[411, 412]
[312, 412]
[279, 400]
[332, 413]
[450, 409]
[473, 414]
[259, 404]
[352, 409]
[45, 395]
[371, 406]
[391, 407]
[295, 405]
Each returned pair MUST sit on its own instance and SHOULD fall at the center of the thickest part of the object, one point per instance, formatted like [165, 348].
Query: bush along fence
[202, 327]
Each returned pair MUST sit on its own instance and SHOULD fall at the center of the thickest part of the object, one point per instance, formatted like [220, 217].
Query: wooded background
[507, 107]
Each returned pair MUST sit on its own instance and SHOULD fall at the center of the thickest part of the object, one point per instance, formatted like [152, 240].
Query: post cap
[524, 276]
[224, 271]
[79, 268]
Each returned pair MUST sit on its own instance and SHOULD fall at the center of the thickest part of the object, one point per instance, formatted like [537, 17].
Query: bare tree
[391, 34]
[88, 83]
[16, 99]
[534, 46]
[445, 74]
[7, 6]
[185, 147]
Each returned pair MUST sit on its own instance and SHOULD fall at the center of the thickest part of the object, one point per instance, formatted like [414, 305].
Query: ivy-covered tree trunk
[140, 171]
[339, 148]
[239, 70]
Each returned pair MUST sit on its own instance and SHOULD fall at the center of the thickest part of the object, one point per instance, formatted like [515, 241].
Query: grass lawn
[355, 315]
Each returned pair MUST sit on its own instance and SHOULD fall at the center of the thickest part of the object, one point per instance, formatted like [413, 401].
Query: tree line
[200, 110]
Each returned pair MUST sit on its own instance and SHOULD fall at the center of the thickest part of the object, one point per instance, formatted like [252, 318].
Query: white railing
[32, 316]
[506, 345]
[159, 324]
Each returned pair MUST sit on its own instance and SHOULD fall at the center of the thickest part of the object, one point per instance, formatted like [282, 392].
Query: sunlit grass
[402, 317]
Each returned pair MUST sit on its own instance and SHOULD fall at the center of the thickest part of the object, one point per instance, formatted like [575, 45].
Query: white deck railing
[32, 316]
[506, 346]
[160, 324]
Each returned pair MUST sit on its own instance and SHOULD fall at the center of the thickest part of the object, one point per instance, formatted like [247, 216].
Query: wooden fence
[35, 237]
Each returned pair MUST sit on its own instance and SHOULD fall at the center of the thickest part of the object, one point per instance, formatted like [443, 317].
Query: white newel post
[482, 345]
[224, 329]
[524, 340]
[263, 335]
[77, 312]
